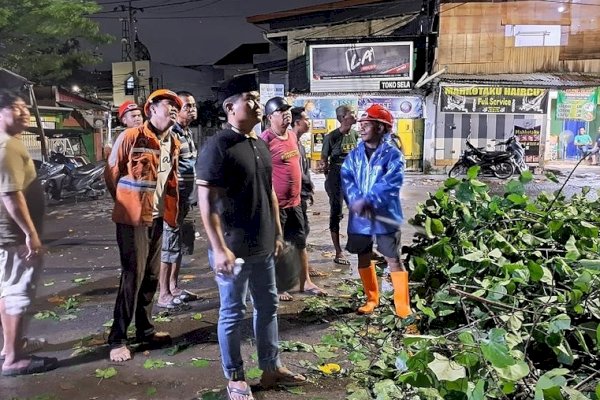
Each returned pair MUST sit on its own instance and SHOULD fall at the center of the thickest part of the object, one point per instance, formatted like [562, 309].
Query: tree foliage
[43, 39]
[507, 301]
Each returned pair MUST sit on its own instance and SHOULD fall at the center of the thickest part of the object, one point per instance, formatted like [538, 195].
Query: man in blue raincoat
[372, 175]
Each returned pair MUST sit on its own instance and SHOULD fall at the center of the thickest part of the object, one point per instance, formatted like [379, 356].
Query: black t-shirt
[369, 151]
[241, 165]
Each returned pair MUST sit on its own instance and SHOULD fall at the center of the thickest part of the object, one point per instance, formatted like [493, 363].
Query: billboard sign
[360, 66]
[493, 100]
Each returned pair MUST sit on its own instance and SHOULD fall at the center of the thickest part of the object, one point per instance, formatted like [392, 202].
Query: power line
[342, 24]
[161, 5]
[176, 17]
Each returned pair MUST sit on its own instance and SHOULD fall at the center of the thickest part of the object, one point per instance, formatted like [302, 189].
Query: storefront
[487, 114]
[570, 111]
[406, 109]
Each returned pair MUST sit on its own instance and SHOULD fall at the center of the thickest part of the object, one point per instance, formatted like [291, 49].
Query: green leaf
[515, 372]
[154, 363]
[473, 172]
[551, 176]
[474, 256]
[495, 350]
[526, 177]
[200, 362]
[517, 198]
[81, 280]
[445, 369]
[437, 227]
[572, 250]
[465, 193]
[477, 392]
[359, 394]
[46, 314]
[466, 338]
[515, 187]
[590, 264]
[575, 394]
[386, 389]
[151, 391]
[559, 323]
[254, 373]
[295, 390]
[197, 316]
[106, 373]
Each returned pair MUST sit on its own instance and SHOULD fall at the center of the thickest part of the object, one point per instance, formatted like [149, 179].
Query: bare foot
[120, 354]
[285, 296]
[312, 289]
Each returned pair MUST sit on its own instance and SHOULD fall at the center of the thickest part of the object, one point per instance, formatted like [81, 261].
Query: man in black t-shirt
[336, 146]
[241, 217]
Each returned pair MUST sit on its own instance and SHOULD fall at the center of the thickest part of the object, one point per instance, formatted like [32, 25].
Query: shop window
[534, 35]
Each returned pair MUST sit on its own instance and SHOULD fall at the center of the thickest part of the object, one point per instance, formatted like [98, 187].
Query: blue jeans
[258, 273]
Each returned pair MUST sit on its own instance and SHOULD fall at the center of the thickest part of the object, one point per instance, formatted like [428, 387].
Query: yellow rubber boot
[401, 294]
[369, 281]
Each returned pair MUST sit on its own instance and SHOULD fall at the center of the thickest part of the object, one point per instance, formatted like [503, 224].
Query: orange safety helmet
[159, 95]
[126, 107]
[378, 113]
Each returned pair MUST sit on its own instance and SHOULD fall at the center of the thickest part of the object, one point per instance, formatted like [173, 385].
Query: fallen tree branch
[486, 301]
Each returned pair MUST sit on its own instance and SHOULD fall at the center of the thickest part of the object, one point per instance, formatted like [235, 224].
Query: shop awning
[538, 80]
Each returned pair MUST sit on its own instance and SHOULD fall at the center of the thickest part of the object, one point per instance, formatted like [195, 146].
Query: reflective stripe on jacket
[378, 181]
[131, 174]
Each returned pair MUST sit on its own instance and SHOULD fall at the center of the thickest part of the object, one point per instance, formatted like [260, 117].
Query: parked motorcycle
[61, 179]
[497, 163]
[517, 151]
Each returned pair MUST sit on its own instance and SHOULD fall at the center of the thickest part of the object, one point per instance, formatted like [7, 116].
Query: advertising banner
[361, 66]
[528, 134]
[270, 90]
[577, 104]
[493, 100]
[406, 107]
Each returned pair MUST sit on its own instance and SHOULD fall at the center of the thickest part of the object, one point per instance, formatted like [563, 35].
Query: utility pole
[132, 55]
[128, 38]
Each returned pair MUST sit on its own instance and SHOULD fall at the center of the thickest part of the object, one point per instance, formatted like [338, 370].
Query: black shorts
[388, 245]
[292, 224]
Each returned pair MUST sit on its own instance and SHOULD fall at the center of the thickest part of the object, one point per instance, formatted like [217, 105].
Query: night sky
[190, 32]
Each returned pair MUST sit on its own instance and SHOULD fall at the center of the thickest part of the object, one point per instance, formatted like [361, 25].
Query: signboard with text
[493, 100]
[577, 104]
[360, 66]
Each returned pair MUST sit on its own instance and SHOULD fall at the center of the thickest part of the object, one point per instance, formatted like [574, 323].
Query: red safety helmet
[126, 107]
[378, 113]
[159, 95]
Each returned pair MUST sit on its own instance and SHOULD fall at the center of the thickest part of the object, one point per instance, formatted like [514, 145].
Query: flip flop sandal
[187, 296]
[283, 377]
[316, 292]
[156, 339]
[239, 392]
[313, 273]
[36, 366]
[176, 302]
[341, 261]
[30, 345]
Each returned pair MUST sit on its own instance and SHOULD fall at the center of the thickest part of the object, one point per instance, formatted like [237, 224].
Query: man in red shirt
[287, 182]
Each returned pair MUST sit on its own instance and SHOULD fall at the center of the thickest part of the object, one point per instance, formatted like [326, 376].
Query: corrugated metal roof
[545, 80]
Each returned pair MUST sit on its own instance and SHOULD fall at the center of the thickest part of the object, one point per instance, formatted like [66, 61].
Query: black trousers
[333, 187]
[139, 248]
